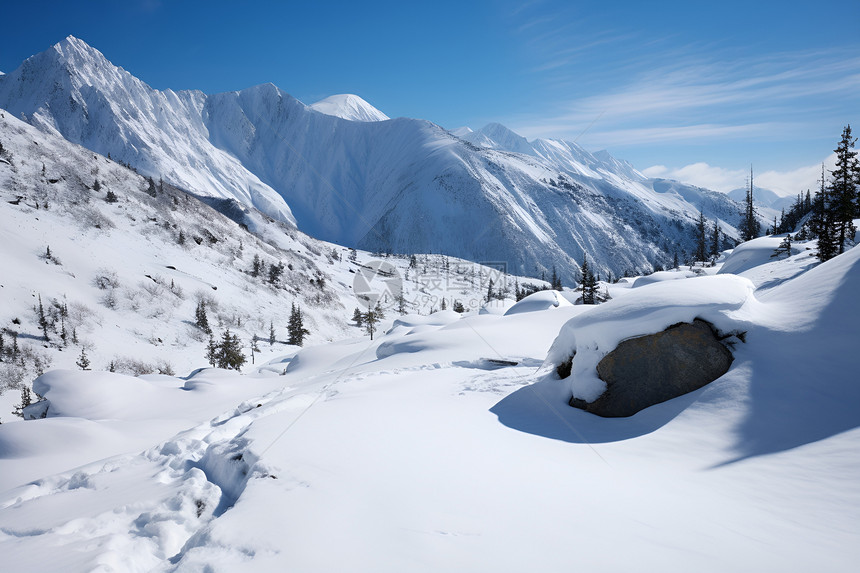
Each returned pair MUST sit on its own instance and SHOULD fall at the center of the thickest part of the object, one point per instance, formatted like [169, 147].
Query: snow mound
[349, 106]
[661, 276]
[591, 335]
[413, 323]
[110, 396]
[542, 300]
[752, 254]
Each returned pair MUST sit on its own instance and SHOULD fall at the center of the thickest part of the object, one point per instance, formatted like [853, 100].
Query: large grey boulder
[651, 369]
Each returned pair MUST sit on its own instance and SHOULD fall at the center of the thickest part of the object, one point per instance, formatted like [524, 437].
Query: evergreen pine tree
[749, 226]
[271, 333]
[275, 272]
[822, 223]
[370, 320]
[43, 321]
[228, 354]
[111, 197]
[443, 305]
[256, 266]
[589, 283]
[357, 317]
[490, 291]
[200, 318]
[296, 329]
[843, 189]
[715, 240]
[458, 307]
[784, 248]
[83, 361]
[150, 189]
[211, 352]
[26, 400]
[701, 238]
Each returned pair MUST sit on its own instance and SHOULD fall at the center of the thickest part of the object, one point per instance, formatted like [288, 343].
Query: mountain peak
[348, 106]
[496, 128]
[497, 136]
[72, 48]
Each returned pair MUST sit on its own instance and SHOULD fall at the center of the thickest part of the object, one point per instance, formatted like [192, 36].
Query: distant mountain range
[343, 172]
[763, 198]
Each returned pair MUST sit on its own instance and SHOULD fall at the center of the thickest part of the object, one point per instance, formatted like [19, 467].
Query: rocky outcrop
[651, 369]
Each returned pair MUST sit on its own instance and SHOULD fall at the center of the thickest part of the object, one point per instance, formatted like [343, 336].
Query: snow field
[419, 452]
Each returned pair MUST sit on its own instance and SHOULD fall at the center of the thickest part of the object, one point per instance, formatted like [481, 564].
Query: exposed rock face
[651, 369]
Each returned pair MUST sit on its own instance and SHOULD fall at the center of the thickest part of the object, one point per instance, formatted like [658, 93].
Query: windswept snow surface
[442, 445]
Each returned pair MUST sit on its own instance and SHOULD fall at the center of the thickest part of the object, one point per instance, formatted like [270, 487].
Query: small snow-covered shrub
[81, 316]
[105, 279]
[27, 364]
[152, 288]
[89, 217]
[176, 289]
[12, 375]
[137, 367]
[110, 299]
[133, 298]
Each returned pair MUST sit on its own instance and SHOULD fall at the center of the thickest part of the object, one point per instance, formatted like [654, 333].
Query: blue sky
[692, 90]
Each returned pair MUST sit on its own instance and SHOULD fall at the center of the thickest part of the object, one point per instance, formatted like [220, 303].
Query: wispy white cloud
[700, 174]
[754, 95]
[784, 183]
[663, 134]
[792, 182]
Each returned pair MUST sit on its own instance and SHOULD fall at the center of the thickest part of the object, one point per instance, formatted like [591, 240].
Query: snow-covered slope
[124, 276]
[442, 446]
[401, 185]
[348, 106]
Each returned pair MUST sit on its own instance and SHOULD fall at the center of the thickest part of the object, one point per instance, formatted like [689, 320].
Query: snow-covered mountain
[402, 185]
[72, 90]
[348, 106]
[764, 198]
